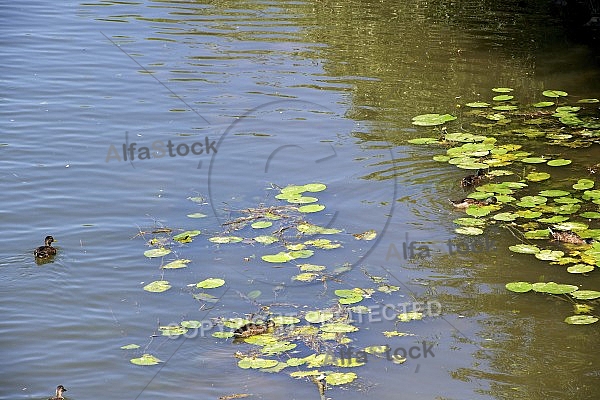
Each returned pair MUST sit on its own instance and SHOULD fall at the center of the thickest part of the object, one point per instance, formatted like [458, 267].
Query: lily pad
[160, 252]
[261, 224]
[542, 104]
[586, 294]
[312, 208]
[581, 319]
[524, 248]
[130, 346]
[181, 263]
[559, 162]
[580, 269]
[266, 239]
[469, 230]
[339, 378]
[318, 316]
[255, 363]
[349, 296]
[478, 104]
[503, 97]
[157, 286]
[502, 90]
[314, 187]
[338, 328]
[519, 287]
[185, 237]
[534, 160]
[537, 176]
[210, 283]
[553, 288]
[410, 316]
[432, 119]
[225, 239]
[424, 140]
[146, 359]
[554, 93]
[549, 255]
[554, 193]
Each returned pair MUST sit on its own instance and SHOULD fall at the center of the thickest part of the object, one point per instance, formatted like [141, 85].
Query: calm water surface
[290, 92]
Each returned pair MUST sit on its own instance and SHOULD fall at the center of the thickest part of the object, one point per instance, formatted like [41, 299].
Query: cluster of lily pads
[303, 343]
[526, 201]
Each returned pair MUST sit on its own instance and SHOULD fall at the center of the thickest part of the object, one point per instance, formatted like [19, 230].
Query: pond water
[290, 92]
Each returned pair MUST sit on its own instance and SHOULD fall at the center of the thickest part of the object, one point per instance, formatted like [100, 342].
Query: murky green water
[290, 92]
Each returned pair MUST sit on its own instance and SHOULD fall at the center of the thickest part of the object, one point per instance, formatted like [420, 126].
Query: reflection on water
[291, 92]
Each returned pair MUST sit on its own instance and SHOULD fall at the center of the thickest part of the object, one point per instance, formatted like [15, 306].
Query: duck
[594, 168]
[569, 237]
[252, 329]
[471, 180]
[465, 203]
[45, 251]
[59, 391]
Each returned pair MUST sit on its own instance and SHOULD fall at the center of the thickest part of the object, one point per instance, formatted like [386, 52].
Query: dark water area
[274, 93]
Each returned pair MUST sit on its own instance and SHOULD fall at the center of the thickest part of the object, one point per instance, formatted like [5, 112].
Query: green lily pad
[197, 215]
[191, 324]
[588, 101]
[255, 363]
[554, 219]
[441, 158]
[210, 283]
[571, 226]
[524, 248]
[181, 263]
[559, 162]
[590, 215]
[410, 316]
[478, 104]
[157, 286]
[424, 140]
[519, 287]
[554, 93]
[302, 200]
[505, 108]
[225, 239]
[432, 119]
[349, 296]
[130, 346]
[312, 208]
[185, 237]
[554, 193]
[584, 184]
[280, 257]
[505, 216]
[502, 90]
[529, 214]
[534, 160]
[152, 253]
[469, 222]
[549, 255]
[469, 230]
[261, 224]
[580, 269]
[339, 378]
[537, 234]
[581, 320]
[503, 97]
[542, 104]
[537, 176]
[318, 316]
[586, 294]
[553, 288]
[285, 320]
[338, 328]
[146, 359]
[277, 348]
[266, 239]
[315, 187]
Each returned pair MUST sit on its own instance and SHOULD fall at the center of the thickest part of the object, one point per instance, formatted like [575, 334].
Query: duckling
[593, 169]
[59, 389]
[252, 329]
[569, 237]
[465, 203]
[47, 250]
[471, 180]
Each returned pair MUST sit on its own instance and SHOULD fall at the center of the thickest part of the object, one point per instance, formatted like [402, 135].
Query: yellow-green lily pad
[146, 359]
[152, 253]
[157, 286]
[210, 283]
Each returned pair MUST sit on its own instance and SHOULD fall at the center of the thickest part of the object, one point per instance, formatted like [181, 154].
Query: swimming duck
[569, 237]
[471, 180]
[594, 168]
[252, 329]
[465, 203]
[59, 389]
[47, 250]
